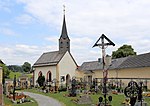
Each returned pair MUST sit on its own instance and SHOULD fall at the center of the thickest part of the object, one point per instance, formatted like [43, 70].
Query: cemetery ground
[63, 97]
[8, 102]
[68, 101]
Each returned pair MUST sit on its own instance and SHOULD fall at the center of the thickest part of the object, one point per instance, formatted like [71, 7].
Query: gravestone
[14, 87]
[73, 88]
[139, 104]
[132, 91]
[85, 99]
[6, 89]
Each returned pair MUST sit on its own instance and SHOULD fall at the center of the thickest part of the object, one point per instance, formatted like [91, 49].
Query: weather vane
[64, 9]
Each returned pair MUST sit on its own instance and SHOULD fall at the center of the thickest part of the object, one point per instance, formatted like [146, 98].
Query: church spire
[64, 33]
[64, 41]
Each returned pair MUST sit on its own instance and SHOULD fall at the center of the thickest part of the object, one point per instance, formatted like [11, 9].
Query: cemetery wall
[127, 74]
[135, 73]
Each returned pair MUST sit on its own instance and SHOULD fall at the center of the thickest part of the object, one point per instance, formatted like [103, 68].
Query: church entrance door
[67, 80]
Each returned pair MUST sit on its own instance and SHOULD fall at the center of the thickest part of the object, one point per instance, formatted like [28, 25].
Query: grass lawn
[8, 102]
[148, 100]
[117, 99]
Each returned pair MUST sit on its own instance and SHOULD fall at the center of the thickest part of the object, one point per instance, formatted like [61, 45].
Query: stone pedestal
[139, 104]
[102, 104]
[85, 99]
[6, 89]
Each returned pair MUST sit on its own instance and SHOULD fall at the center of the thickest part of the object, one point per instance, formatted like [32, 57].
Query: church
[58, 65]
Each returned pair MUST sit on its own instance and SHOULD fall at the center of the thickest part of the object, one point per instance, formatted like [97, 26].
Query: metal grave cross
[103, 46]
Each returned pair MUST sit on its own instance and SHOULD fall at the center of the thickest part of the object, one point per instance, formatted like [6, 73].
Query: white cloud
[7, 31]
[5, 5]
[140, 45]
[24, 19]
[81, 41]
[26, 49]
[117, 18]
[53, 39]
[18, 54]
[46, 11]
[123, 21]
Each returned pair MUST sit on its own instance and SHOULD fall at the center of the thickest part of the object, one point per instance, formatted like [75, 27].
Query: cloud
[123, 21]
[45, 11]
[53, 39]
[19, 53]
[7, 31]
[81, 40]
[5, 5]
[140, 45]
[94, 18]
[24, 19]
[76, 42]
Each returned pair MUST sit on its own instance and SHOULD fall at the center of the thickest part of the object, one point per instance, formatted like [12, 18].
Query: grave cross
[103, 46]
[14, 83]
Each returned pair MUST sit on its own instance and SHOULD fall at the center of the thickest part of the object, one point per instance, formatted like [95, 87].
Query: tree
[15, 68]
[41, 80]
[26, 67]
[6, 72]
[123, 51]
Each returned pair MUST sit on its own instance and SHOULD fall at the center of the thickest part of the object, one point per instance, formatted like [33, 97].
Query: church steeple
[64, 33]
[64, 41]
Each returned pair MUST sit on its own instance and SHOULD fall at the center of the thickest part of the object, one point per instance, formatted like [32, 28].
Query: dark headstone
[73, 89]
[14, 83]
[132, 101]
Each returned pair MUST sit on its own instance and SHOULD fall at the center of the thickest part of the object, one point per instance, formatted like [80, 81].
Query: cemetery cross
[103, 46]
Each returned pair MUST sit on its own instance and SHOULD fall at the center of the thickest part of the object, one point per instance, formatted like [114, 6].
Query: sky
[28, 28]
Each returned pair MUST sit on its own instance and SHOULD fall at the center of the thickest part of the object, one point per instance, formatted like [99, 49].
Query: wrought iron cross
[102, 44]
[14, 83]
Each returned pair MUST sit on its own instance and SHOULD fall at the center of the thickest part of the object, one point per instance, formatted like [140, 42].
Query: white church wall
[44, 71]
[67, 66]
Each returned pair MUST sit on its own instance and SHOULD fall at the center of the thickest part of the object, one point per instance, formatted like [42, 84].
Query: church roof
[115, 63]
[90, 66]
[95, 65]
[1, 62]
[49, 58]
[136, 61]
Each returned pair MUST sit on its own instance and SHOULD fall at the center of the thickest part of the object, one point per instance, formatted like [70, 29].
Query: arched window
[40, 74]
[49, 76]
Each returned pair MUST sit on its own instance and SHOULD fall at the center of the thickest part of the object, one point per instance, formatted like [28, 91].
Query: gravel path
[43, 100]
